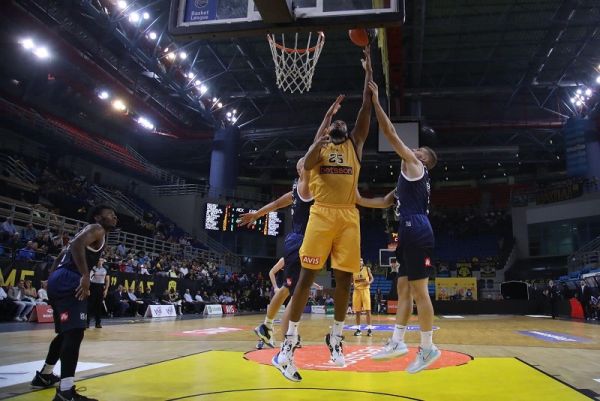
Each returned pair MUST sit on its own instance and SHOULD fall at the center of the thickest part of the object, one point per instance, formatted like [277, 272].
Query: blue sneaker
[425, 357]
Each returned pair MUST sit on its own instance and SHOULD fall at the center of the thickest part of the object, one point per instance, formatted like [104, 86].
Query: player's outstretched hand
[375, 91]
[247, 219]
[366, 62]
[83, 289]
[335, 107]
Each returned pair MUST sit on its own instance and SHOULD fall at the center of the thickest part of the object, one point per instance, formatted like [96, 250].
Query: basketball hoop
[294, 66]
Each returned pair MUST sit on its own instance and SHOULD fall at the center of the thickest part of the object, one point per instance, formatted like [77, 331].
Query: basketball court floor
[487, 357]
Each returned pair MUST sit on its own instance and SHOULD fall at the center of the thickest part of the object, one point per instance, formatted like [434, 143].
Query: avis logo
[427, 262]
[311, 260]
[64, 316]
[289, 282]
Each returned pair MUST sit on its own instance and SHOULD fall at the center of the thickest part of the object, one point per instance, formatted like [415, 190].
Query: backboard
[191, 19]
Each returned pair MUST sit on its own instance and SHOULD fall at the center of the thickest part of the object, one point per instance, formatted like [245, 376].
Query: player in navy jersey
[68, 289]
[301, 200]
[415, 244]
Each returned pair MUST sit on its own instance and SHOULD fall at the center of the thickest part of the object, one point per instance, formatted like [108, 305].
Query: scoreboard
[226, 217]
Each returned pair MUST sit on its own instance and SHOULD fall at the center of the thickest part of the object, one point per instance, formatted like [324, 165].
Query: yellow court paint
[227, 376]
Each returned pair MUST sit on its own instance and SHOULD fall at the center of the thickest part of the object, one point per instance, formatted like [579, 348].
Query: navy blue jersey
[412, 197]
[91, 256]
[300, 211]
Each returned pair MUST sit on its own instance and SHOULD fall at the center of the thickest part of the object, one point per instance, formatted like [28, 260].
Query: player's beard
[338, 136]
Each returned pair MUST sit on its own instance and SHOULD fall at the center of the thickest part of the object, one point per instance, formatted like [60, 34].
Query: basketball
[362, 37]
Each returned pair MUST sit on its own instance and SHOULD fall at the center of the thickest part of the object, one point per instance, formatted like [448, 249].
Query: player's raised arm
[375, 203]
[247, 219]
[313, 156]
[361, 128]
[389, 131]
[333, 109]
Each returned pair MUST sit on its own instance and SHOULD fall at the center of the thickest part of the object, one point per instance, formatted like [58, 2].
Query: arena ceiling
[493, 78]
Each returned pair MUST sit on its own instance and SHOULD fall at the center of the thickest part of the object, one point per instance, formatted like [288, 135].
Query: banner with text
[456, 289]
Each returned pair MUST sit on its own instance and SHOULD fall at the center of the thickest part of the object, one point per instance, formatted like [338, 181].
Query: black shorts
[415, 248]
[69, 313]
[291, 271]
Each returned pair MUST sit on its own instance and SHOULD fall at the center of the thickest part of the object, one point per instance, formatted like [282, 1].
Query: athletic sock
[426, 339]
[337, 328]
[399, 332]
[293, 331]
[269, 323]
[67, 383]
[47, 369]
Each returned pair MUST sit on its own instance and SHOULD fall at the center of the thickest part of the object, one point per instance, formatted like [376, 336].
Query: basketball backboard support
[386, 257]
[193, 19]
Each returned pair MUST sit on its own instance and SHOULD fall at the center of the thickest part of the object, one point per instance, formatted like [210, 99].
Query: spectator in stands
[8, 227]
[27, 253]
[30, 292]
[552, 294]
[135, 304]
[117, 305]
[8, 309]
[171, 298]
[144, 270]
[29, 233]
[17, 295]
[584, 293]
[42, 294]
[121, 250]
[149, 299]
[190, 304]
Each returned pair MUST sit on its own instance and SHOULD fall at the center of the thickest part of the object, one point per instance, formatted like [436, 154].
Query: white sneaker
[286, 353]
[391, 349]
[18, 319]
[425, 357]
[288, 370]
[336, 349]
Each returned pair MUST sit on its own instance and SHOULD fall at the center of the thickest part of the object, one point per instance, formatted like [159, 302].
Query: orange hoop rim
[321, 36]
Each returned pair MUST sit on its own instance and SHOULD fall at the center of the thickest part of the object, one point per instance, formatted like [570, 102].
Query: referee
[99, 281]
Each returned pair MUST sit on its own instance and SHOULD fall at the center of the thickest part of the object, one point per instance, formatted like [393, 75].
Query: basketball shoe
[43, 381]
[265, 334]
[424, 358]
[336, 349]
[391, 349]
[357, 333]
[71, 395]
[284, 360]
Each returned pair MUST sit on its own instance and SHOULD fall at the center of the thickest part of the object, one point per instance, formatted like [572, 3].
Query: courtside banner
[213, 310]
[456, 289]
[318, 309]
[229, 309]
[42, 314]
[160, 311]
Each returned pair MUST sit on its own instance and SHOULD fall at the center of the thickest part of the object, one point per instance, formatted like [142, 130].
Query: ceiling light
[144, 122]
[588, 92]
[182, 55]
[234, 119]
[171, 56]
[197, 83]
[229, 114]
[166, 49]
[573, 100]
[203, 89]
[146, 15]
[103, 95]
[27, 43]
[134, 17]
[214, 100]
[41, 52]
[579, 91]
[598, 79]
[578, 103]
[152, 35]
[122, 4]
[219, 105]
[234, 111]
[119, 105]
[191, 75]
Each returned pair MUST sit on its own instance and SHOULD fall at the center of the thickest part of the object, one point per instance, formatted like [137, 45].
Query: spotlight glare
[103, 95]
[234, 111]
[41, 52]
[234, 119]
[166, 49]
[203, 89]
[134, 17]
[573, 100]
[27, 43]
[144, 122]
[598, 79]
[119, 105]
[197, 83]
[229, 114]
[190, 75]
[182, 55]
[588, 92]
[219, 105]
[122, 4]
[579, 91]
[146, 15]
[152, 35]
[171, 56]
[578, 103]
[214, 100]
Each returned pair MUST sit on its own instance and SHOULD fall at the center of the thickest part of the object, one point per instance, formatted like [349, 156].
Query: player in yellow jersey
[361, 297]
[333, 230]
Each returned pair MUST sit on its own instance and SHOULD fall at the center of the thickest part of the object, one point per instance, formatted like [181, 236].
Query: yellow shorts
[332, 231]
[361, 300]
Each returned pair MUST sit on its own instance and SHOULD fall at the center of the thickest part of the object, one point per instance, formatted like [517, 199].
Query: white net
[294, 66]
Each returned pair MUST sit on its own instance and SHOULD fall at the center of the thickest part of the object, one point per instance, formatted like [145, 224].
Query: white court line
[453, 316]
[540, 316]
[24, 372]
[597, 380]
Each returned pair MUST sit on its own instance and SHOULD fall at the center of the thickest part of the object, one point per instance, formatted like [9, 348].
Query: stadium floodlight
[191, 75]
[214, 100]
[579, 91]
[203, 89]
[41, 52]
[234, 119]
[182, 55]
[119, 105]
[122, 4]
[598, 79]
[197, 83]
[578, 103]
[588, 92]
[573, 100]
[152, 35]
[134, 17]
[103, 95]
[234, 111]
[219, 105]
[146, 15]
[144, 122]
[27, 43]
[171, 56]
[229, 114]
